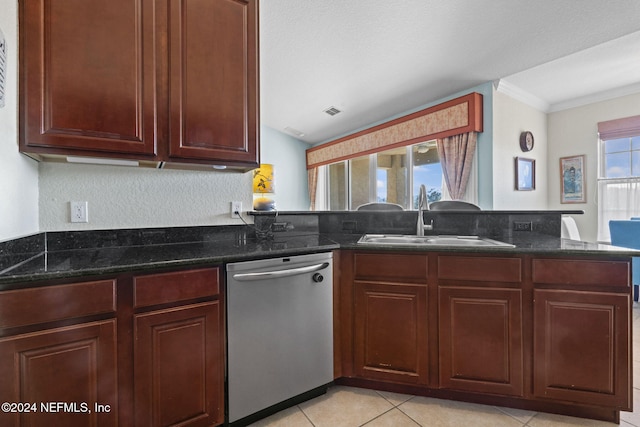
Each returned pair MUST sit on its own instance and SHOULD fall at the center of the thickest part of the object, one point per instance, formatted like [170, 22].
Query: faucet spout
[423, 205]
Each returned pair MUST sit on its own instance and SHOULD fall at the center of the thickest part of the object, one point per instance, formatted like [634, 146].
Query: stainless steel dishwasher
[279, 332]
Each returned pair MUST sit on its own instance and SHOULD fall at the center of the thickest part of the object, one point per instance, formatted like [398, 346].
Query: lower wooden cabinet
[178, 366]
[581, 347]
[544, 333]
[178, 351]
[481, 342]
[142, 350]
[62, 376]
[391, 339]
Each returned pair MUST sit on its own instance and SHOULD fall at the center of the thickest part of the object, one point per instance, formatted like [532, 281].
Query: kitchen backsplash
[272, 225]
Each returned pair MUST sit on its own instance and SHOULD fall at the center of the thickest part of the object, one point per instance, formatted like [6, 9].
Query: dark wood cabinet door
[581, 347]
[391, 332]
[179, 366]
[481, 341]
[75, 365]
[87, 77]
[213, 69]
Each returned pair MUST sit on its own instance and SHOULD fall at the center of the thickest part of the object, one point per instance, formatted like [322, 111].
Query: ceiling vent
[332, 111]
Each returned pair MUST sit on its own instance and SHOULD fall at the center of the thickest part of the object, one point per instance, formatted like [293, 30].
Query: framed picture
[525, 174]
[572, 183]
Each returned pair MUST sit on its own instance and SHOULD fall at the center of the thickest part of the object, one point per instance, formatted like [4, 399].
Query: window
[360, 170]
[426, 170]
[390, 176]
[619, 172]
[337, 186]
[621, 158]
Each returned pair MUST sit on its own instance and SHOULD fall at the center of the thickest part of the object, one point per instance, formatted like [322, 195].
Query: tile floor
[353, 407]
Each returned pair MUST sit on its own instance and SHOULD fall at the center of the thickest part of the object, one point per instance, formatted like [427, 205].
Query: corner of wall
[18, 174]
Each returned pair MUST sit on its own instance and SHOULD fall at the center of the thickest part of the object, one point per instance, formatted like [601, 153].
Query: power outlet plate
[79, 211]
[236, 207]
[279, 226]
[522, 226]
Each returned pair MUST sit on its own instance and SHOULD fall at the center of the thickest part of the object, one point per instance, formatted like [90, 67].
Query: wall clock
[526, 141]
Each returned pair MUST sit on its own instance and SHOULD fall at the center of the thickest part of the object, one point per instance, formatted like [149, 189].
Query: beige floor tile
[636, 373]
[395, 398]
[345, 407]
[393, 418]
[291, 417]
[626, 424]
[633, 417]
[553, 420]
[445, 413]
[519, 414]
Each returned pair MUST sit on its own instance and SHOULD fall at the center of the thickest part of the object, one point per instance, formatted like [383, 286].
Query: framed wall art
[525, 174]
[572, 179]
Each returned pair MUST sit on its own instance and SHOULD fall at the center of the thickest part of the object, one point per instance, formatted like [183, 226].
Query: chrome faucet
[423, 205]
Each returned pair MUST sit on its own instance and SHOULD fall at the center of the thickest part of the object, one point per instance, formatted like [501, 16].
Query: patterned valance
[460, 115]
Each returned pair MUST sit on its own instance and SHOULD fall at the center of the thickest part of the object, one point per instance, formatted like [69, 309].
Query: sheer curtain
[456, 156]
[617, 199]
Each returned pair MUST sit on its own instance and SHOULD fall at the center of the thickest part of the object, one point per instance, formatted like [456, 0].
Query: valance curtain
[457, 116]
[456, 157]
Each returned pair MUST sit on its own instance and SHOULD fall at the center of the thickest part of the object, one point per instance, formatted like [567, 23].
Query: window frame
[604, 210]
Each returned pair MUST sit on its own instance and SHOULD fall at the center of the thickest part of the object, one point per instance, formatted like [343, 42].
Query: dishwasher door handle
[246, 277]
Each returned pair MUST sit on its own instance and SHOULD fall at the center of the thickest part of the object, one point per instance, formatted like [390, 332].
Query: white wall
[18, 174]
[127, 197]
[288, 156]
[124, 197]
[510, 118]
[573, 132]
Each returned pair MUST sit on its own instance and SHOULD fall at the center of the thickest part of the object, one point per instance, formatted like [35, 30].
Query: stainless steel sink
[410, 240]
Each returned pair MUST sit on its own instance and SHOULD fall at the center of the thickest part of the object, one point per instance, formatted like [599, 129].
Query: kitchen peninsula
[543, 325]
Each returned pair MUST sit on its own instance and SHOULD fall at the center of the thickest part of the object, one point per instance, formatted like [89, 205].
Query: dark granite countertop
[72, 263]
[525, 243]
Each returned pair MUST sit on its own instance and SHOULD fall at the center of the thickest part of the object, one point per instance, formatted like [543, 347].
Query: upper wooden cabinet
[171, 80]
[213, 80]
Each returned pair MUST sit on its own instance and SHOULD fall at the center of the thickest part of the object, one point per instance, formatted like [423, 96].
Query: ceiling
[374, 59]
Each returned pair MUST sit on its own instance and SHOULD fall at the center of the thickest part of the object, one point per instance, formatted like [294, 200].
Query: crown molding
[521, 95]
[596, 97]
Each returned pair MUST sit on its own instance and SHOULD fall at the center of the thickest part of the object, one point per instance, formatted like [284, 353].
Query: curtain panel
[312, 180]
[456, 157]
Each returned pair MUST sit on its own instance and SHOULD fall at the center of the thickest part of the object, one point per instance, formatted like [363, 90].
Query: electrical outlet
[79, 211]
[279, 226]
[236, 207]
[522, 226]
